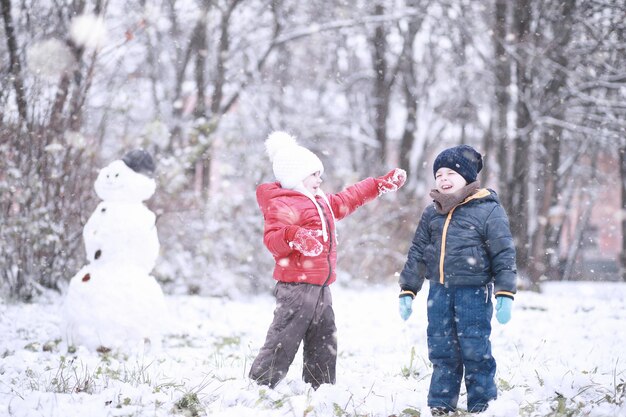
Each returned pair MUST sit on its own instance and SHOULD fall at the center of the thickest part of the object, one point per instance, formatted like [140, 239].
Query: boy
[463, 246]
[300, 234]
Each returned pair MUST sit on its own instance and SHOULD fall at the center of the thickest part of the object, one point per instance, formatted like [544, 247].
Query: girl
[300, 235]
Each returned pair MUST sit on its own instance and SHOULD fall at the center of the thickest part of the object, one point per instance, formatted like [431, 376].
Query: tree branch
[15, 65]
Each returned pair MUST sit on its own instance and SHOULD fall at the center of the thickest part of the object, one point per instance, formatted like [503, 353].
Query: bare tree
[45, 165]
[559, 113]
[544, 259]
[517, 198]
[412, 90]
[502, 80]
[382, 84]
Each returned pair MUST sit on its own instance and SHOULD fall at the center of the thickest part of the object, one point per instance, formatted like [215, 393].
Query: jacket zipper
[330, 240]
[444, 234]
[330, 248]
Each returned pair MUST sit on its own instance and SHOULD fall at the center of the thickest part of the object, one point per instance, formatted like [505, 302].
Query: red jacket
[284, 208]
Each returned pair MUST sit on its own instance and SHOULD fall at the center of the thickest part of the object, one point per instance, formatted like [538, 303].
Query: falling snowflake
[88, 31]
[75, 140]
[49, 58]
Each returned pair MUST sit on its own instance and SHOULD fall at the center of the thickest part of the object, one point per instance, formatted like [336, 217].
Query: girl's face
[448, 181]
[312, 182]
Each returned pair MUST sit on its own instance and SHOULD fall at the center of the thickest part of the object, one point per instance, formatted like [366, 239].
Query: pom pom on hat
[291, 162]
[277, 141]
[463, 159]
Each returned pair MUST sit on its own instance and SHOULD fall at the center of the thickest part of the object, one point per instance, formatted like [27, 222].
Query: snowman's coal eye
[117, 175]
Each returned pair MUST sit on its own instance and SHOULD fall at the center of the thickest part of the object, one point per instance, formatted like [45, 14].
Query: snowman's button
[98, 254]
[86, 278]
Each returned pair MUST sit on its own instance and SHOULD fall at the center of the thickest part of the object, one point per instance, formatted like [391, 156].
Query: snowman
[113, 302]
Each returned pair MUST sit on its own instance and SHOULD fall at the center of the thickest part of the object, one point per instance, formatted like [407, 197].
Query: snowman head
[124, 180]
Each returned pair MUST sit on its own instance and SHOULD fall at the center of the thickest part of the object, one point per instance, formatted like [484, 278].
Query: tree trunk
[411, 94]
[502, 69]
[518, 205]
[14, 60]
[545, 251]
[622, 172]
[381, 90]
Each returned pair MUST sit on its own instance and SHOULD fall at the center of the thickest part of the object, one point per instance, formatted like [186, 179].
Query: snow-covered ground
[563, 353]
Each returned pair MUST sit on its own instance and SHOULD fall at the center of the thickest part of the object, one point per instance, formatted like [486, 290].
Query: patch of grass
[411, 370]
[504, 385]
[179, 340]
[165, 386]
[51, 345]
[269, 402]
[560, 406]
[407, 371]
[338, 411]
[48, 346]
[565, 407]
[410, 412]
[618, 395]
[137, 375]
[189, 405]
[33, 347]
[70, 375]
[71, 378]
[226, 341]
[121, 402]
[539, 379]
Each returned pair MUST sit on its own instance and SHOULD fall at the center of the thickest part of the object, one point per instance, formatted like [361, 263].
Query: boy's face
[312, 182]
[448, 181]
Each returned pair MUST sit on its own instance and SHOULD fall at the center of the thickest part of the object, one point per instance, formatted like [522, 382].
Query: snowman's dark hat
[139, 161]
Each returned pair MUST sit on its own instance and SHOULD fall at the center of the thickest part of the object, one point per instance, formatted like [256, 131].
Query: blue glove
[406, 306]
[503, 309]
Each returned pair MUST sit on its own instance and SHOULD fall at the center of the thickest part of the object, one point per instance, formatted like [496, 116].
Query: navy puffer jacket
[469, 246]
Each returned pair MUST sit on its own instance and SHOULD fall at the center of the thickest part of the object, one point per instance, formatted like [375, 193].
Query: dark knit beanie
[139, 161]
[463, 159]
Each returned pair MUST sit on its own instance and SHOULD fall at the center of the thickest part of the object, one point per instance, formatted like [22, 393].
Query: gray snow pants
[303, 312]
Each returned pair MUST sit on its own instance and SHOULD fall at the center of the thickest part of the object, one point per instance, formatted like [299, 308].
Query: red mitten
[393, 180]
[305, 241]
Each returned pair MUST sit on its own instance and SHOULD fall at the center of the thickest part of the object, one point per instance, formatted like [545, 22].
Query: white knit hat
[291, 162]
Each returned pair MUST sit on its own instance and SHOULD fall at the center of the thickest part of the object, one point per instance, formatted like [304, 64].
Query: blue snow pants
[459, 326]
